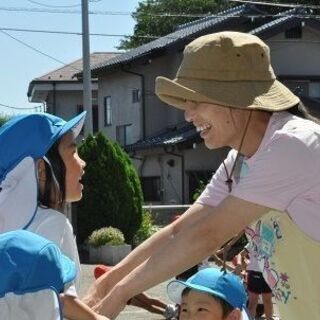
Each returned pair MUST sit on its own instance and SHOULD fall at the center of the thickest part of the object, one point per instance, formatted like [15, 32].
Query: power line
[52, 6]
[276, 4]
[165, 15]
[20, 108]
[38, 51]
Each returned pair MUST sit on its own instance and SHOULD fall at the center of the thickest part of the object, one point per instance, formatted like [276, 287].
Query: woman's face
[74, 167]
[219, 126]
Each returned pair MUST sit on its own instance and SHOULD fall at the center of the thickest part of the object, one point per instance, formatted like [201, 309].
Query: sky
[19, 64]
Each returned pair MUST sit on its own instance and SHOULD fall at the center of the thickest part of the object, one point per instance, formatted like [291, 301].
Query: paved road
[129, 313]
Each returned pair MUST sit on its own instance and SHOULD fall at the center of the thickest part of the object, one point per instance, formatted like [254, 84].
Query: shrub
[146, 230]
[107, 235]
[112, 192]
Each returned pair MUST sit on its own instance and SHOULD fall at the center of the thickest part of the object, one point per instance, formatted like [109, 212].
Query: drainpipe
[181, 156]
[143, 99]
[54, 99]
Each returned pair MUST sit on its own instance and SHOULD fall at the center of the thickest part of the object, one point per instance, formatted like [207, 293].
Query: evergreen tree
[112, 193]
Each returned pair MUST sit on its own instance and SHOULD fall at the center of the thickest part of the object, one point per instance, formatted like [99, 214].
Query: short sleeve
[279, 173]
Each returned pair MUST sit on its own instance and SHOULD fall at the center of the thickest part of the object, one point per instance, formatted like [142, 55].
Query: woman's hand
[111, 305]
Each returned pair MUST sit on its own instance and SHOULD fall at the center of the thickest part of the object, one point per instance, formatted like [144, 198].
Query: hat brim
[75, 125]
[176, 287]
[262, 95]
[68, 269]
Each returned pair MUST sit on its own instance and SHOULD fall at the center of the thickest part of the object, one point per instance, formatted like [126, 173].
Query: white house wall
[119, 87]
[296, 56]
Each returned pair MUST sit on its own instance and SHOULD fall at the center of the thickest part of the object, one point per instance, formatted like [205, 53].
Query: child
[210, 294]
[33, 272]
[40, 170]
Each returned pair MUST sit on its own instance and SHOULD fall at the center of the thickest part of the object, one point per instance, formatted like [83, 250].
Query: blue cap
[32, 135]
[224, 285]
[31, 263]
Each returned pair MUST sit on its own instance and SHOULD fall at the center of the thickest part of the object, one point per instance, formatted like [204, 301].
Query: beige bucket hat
[226, 68]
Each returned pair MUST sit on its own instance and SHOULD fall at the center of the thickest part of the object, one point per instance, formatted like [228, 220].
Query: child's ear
[41, 170]
[235, 314]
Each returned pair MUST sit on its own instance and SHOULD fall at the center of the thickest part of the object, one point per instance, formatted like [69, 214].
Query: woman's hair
[302, 111]
[226, 307]
[53, 194]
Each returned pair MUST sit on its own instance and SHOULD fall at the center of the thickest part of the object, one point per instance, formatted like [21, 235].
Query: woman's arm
[105, 283]
[184, 249]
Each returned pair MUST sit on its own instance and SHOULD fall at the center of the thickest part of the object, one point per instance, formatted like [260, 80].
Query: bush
[146, 230]
[112, 192]
[107, 235]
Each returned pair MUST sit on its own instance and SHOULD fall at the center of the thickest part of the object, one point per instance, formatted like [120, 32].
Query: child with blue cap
[40, 171]
[210, 294]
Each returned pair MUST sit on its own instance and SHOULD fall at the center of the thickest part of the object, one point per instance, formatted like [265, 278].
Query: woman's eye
[202, 309]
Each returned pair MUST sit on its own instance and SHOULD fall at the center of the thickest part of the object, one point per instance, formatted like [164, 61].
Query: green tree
[112, 193]
[3, 119]
[147, 24]
[152, 16]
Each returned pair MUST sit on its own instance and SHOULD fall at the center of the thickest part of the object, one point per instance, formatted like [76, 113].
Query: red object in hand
[100, 269]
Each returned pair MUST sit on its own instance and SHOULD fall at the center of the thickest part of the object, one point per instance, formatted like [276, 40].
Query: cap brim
[20, 183]
[176, 287]
[263, 95]
[75, 125]
[68, 269]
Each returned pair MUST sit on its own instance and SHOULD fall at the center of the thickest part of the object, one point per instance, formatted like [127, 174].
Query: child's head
[39, 164]
[33, 273]
[211, 294]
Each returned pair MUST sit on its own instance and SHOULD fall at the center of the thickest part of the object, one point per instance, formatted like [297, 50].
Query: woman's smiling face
[218, 125]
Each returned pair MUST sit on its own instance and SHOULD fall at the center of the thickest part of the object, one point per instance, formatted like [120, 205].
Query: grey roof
[283, 19]
[178, 134]
[67, 72]
[186, 33]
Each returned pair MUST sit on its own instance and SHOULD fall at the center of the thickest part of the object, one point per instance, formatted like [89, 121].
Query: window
[298, 87]
[107, 111]
[123, 134]
[136, 95]
[314, 89]
[151, 189]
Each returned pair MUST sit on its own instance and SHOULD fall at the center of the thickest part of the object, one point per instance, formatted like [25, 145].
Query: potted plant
[107, 245]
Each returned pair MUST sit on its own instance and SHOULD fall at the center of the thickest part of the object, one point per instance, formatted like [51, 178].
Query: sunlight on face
[74, 167]
[196, 305]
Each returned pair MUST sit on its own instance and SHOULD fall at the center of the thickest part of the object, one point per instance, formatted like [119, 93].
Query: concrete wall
[296, 56]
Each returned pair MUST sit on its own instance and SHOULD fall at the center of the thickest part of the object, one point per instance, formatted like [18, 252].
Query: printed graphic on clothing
[264, 237]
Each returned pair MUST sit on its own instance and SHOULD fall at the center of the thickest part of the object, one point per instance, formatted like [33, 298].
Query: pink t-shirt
[283, 174]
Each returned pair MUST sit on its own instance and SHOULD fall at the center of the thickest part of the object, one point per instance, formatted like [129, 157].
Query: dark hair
[306, 112]
[226, 307]
[54, 193]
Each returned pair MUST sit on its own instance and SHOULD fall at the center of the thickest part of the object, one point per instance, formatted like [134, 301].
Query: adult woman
[227, 88]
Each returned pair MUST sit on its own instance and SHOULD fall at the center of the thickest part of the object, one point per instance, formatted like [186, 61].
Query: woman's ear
[41, 170]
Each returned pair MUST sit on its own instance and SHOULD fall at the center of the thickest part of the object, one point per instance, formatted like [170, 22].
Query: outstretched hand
[110, 306]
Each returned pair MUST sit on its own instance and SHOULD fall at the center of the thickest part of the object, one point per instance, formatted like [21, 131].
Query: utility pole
[87, 94]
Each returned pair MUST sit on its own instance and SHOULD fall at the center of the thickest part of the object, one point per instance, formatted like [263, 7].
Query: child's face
[200, 306]
[74, 167]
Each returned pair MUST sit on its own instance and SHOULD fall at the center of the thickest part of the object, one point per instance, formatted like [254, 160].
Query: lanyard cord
[229, 182]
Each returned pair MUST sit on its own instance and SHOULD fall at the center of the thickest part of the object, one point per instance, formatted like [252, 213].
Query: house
[169, 156]
[61, 92]
[167, 151]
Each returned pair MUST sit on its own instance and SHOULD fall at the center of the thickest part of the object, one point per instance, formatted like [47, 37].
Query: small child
[33, 273]
[210, 294]
[40, 171]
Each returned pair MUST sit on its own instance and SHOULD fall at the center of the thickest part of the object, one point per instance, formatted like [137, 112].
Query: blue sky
[19, 64]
